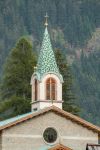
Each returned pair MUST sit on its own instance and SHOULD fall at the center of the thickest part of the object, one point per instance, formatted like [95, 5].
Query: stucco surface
[28, 135]
[42, 93]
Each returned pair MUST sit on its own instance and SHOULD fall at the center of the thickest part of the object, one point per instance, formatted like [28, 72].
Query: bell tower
[46, 80]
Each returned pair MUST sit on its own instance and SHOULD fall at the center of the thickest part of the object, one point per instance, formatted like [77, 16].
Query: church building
[47, 126]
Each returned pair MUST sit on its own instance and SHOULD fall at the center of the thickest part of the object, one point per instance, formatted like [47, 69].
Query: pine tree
[16, 89]
[68, 94]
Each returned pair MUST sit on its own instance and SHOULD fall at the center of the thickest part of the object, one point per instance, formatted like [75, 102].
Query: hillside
[74, 26]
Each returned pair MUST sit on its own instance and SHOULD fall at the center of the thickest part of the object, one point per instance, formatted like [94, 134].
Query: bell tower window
[51, 89]
[36, 89]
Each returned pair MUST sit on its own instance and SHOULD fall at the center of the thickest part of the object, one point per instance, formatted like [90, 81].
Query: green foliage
[68, 94]
[14, 106]
[76, 19]
[87, 86]
[16, 78]
[18, 70]
[94, 43]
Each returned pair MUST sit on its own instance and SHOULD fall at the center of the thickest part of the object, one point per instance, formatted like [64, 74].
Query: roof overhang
[58, 111]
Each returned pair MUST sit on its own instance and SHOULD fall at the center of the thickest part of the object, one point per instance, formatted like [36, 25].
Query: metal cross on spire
[46, 19]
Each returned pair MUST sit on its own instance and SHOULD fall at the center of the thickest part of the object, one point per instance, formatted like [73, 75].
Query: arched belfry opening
[51, 90]
[36, 90]
[46, 80]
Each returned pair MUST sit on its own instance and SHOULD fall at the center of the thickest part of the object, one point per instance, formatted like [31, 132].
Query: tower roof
[46, 61]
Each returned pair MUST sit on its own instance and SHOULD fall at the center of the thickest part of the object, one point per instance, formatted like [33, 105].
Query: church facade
[47, 126]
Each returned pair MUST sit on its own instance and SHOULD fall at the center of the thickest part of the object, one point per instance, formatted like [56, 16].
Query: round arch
[51, 92]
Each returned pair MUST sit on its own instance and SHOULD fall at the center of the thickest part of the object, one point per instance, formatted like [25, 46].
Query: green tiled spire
[46, 61]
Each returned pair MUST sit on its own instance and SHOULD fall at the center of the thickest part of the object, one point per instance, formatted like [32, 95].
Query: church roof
[11, 120]
[19, 119]
[60, 147]
[46, 62]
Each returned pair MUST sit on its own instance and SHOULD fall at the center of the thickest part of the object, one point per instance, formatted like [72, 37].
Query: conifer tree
[68, 93]
[16, 89]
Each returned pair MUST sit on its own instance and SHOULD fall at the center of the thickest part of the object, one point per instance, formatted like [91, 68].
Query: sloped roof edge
[60, 146]
[57, 110]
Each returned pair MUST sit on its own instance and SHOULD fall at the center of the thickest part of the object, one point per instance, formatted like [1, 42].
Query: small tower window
[36, 89]
[51, 89]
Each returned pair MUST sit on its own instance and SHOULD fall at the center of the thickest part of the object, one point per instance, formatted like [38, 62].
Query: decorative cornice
[47, 101]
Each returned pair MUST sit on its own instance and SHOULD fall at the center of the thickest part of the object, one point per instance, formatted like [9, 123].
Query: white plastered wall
[28, 135]
[41, 101]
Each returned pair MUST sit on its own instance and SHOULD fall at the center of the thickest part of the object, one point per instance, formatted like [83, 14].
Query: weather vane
[46, 19]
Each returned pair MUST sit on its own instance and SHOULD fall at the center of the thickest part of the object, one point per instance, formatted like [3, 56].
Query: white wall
[29, 134]
[42, 102]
